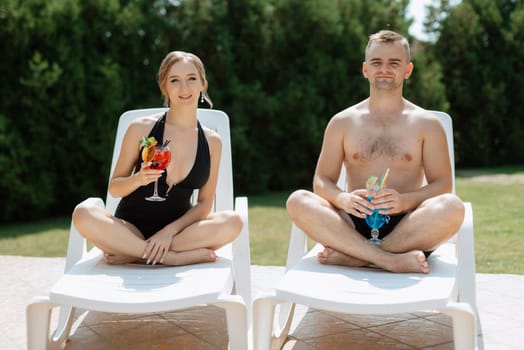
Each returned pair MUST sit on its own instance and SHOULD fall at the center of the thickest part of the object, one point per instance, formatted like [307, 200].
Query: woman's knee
[231, 223]
[80, 216]
[83, 217]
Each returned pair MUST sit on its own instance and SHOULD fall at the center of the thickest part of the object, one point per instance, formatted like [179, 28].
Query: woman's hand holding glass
[146, 175]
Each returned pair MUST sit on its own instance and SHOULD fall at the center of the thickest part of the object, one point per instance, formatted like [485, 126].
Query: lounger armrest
[466, 258]
[297, 246]
[242, 256]
[77, 245]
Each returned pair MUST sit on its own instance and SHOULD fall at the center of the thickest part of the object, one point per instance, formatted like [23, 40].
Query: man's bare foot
[330, 256]
[190, 257]
[114, 259]
[413, 261]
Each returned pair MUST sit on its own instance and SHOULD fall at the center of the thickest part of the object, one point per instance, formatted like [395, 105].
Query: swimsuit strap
[158, 129]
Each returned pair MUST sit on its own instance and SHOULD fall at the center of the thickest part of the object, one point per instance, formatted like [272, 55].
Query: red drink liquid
[161, 159]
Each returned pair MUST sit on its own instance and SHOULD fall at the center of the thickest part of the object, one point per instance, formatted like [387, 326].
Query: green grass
[45, 238]
[498, 212]
[498, 221]
[269, 228]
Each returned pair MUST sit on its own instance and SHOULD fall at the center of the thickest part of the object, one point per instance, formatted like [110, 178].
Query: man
[383, 131]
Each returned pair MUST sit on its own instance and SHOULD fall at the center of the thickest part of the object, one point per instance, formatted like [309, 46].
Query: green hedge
[280, 69]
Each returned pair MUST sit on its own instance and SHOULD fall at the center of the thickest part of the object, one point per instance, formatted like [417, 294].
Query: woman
[172, 232]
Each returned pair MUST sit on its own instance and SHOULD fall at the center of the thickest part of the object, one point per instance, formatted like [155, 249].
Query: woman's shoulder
[148, 120]
[143, 123]
[213, 138]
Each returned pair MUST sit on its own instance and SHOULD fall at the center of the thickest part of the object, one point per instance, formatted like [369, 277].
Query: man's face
[386, 65]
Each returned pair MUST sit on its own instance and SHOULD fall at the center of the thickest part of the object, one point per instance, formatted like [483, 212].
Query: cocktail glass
[160, 161]
[375, 220]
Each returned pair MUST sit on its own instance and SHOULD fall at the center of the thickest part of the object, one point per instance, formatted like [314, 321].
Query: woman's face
[183, 84]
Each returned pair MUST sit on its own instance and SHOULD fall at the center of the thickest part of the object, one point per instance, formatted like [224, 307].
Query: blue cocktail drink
[376, 220]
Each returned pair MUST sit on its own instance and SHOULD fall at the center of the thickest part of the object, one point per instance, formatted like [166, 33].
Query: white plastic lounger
[88, 283]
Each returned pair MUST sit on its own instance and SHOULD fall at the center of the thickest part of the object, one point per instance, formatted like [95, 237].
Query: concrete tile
[318, 324]
[126, 333]
[440, 318]
[21, 279]
[294, 344]
[447, 346]
[358, 339]
[367, 321]
[509, 338]
[86, 338]
[207, 323]
[182, 342]
[419, 332]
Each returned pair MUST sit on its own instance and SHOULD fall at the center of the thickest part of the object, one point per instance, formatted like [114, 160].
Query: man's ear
[364, 70]
[409, 70]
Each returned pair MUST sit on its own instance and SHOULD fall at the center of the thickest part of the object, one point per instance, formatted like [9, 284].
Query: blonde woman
[172, 232]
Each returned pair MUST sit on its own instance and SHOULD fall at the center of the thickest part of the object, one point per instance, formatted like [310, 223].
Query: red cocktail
[161, 158]
[160, 161]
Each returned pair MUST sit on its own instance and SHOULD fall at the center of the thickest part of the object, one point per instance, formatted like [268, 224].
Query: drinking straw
[384, 178]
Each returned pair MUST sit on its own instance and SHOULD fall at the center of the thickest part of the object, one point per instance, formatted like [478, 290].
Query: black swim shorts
[363, 228]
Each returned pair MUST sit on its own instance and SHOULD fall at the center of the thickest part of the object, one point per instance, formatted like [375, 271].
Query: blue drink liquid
[375, 221]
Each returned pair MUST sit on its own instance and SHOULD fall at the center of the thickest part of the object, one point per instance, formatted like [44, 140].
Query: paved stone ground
[500, 304]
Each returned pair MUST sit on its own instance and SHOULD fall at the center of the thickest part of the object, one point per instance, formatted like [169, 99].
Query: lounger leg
[263, 314]
[236, 315]
[38, 322]
[270, 331]
[464, 325]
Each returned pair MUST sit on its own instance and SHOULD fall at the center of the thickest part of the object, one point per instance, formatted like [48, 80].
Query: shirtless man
[383, 131]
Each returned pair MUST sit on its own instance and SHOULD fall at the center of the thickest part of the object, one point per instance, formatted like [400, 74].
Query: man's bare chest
[400, 147]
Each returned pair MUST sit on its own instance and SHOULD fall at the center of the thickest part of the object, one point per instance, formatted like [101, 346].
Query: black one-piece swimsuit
[150, 217]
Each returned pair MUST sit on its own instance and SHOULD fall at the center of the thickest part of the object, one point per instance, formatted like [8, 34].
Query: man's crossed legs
[402, 250]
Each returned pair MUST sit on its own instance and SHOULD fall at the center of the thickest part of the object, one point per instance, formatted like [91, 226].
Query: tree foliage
[280, 69]
[479, 48]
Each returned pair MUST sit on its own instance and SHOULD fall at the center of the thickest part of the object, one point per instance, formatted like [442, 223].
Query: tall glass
[160, 161]
[375, 220]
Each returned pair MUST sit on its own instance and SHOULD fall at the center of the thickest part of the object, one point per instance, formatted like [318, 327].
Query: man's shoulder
[349, 114]
[425, 120]
[416, 111]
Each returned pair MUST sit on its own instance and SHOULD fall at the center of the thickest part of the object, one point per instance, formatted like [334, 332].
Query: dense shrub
[280, 69]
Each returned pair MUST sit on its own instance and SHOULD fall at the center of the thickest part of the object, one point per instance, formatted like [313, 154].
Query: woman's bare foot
[114, 259]
[414, 261]
[190, 257]
[329, 256]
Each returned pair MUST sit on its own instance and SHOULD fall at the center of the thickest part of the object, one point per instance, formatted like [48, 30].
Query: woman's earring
[201, 97]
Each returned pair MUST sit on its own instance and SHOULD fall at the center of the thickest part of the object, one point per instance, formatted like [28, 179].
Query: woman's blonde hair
[174, 57]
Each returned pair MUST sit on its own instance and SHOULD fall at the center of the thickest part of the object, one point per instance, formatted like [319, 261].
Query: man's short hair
[389, 36]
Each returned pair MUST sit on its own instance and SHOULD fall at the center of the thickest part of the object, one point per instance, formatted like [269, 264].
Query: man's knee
[451, 203]
[297, 201]
[455, 207]
[449, 207]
